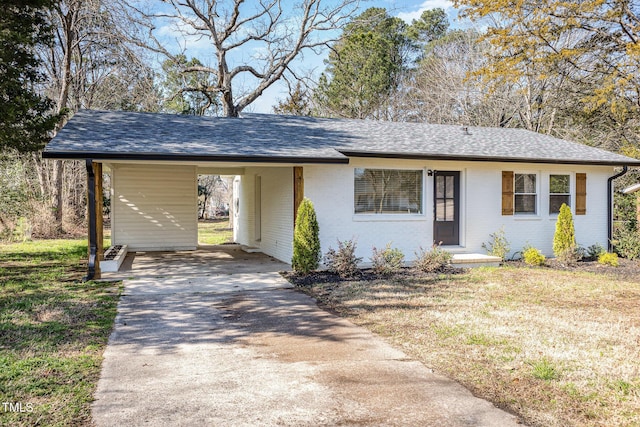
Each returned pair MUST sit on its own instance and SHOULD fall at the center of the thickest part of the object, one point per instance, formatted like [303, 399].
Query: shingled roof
[118, 135]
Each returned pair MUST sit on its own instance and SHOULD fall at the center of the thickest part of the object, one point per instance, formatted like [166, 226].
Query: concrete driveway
[246, 349]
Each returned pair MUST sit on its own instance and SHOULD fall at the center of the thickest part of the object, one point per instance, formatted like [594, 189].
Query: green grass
[544, 369]
[53, 331]
[214, 232]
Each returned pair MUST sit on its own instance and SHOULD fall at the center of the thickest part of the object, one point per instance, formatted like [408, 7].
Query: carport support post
[298, 190]
[94, 207]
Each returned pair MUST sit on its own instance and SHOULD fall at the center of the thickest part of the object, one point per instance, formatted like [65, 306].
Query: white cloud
[408, 17]
[177, 36]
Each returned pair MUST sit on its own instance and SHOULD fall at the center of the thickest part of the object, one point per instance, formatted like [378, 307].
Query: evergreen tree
[364, 67]
[26, 118]
[306, 239]
[188, 93]
[564, 239]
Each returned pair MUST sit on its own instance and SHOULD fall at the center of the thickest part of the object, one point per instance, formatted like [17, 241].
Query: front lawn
[558, 348]
[53, 331]
[214, 232]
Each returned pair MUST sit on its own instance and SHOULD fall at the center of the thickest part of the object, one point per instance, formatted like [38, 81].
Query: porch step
[475, 260]
[250, 249]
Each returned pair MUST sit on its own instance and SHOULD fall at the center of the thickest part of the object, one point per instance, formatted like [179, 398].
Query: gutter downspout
[93, 234]
[625, 168]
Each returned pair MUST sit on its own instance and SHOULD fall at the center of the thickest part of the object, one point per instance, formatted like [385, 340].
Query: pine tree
[306, 239]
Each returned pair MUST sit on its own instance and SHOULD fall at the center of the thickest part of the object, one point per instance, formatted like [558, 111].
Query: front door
[446, 225]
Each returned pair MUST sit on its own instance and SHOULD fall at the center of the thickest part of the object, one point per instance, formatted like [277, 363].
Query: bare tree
[254, 43]
[85, 65]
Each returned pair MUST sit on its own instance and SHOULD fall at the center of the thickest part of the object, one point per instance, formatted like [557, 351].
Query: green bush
[607, 258]
[343, 261]
[564, 239]
[433, 260]
[306, 239]
[498, 245]
[387, 261]
[533, 256]
[627, 243]
[593, 252]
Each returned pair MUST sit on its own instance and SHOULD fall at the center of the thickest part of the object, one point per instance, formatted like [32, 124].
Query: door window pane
[445, 198]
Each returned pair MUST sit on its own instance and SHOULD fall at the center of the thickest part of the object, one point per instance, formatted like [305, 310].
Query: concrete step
[475, 260]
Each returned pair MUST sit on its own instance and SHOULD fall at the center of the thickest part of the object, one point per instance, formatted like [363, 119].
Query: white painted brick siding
[330, 188]
[154, 207]
[276, 211]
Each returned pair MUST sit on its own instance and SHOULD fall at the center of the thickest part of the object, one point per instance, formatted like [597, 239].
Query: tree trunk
[69, 25]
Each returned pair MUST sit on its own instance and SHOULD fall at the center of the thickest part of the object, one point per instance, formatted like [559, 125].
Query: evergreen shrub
[306, 239]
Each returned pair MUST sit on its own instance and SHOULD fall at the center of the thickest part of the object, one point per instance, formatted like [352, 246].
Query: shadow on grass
[67, 318]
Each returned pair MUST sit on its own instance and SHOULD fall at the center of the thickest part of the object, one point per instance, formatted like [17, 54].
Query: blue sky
[310, 63]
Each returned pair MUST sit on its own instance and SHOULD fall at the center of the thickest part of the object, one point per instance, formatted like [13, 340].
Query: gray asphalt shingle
[117, 135]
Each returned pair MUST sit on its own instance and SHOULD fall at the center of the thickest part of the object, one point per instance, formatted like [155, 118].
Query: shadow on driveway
[264, 354]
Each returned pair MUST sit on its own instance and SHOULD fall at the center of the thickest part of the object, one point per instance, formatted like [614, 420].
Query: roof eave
[76, 155]
[417, 156]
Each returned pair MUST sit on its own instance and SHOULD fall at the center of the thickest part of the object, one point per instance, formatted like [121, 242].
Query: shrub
[627, 243]
[430, 261]
[607, 258]
[498, 245]
[387, 261]
[306, 240]
[593, 252]
[533, 256]
[564, 239]
[343, 261]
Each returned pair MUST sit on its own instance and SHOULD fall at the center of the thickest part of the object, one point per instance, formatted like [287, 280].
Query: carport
[154, 160]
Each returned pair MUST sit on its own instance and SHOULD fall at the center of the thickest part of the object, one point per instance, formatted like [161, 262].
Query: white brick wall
[330, 187]
[276, 211]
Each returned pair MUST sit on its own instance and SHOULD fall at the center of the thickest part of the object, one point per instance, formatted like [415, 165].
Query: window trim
[391, 216]
[536, 195]
[569, 194]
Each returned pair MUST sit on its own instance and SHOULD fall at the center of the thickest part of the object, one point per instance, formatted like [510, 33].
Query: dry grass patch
[559, 348]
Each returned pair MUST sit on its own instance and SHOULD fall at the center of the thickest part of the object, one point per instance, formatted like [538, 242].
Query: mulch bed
[626, 270]
[324, 276]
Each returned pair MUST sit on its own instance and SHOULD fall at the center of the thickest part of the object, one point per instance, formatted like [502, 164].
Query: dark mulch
[627, 270]
[324, 276]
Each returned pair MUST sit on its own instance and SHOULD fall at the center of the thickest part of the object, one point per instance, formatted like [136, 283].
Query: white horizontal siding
[154, 208]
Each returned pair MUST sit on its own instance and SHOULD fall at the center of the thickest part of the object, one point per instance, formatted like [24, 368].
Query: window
[525, 193]
[388, 191]
[559, 192]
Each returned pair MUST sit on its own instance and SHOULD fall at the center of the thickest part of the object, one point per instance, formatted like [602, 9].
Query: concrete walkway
[246, 349]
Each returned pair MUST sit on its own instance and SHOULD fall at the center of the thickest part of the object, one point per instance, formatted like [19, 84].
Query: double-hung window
[388, 191]
[559, 192]
[525, 193]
